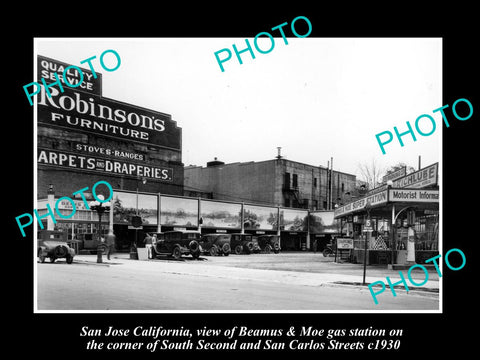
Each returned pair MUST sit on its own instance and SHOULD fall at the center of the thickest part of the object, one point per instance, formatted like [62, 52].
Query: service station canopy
[407, 190]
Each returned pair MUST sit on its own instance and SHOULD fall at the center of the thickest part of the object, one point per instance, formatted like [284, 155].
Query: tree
[398, 166]
[371, 174]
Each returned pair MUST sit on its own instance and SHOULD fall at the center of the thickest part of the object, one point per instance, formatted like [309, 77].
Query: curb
[416, 290]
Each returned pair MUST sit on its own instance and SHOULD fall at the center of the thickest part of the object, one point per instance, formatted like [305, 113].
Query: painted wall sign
[46, 69]
[105, 166]
[79, 111]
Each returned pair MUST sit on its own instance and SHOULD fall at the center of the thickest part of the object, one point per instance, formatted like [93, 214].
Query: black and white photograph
[191, 149]
[282, 188]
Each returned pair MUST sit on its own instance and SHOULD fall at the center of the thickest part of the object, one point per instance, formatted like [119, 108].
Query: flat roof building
[277, 182]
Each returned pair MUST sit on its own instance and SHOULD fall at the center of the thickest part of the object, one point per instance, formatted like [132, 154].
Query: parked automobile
[241, 243]
[53, 244]
[256, 247]
[89, 242]
[269, 243]
[216, 244]
[177, 243]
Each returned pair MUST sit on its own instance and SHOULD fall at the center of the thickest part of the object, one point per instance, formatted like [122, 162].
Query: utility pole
[331, 184]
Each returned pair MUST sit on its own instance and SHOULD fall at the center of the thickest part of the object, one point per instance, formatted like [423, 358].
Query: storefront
[399, 222]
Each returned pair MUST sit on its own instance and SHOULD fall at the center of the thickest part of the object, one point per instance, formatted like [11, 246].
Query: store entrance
[293, 241]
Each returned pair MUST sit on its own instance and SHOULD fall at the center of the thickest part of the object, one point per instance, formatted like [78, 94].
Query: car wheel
[226, 249]
[177, 252]
[276, 248]
[238, 249]
[268, 249]
[41, 257]
[69, 259]
[193, 246]
[249, 248]
[213, 250]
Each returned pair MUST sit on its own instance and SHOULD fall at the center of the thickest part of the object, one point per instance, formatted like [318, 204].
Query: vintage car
[53, 244]
[242, 243]
[90, 242]
[267, 243]
[215, 244]
[177, 243]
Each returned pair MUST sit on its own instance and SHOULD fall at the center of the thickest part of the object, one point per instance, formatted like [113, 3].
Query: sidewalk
[347, 274]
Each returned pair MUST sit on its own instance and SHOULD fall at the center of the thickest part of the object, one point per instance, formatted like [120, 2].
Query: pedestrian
[150, 241]
[110, 242]
[314, 246]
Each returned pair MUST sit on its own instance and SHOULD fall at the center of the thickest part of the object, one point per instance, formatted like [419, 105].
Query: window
[286, 181]
[305, 203]
[295, 181]
[315, 182]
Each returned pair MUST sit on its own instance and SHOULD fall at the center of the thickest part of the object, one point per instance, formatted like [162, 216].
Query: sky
[316, 98]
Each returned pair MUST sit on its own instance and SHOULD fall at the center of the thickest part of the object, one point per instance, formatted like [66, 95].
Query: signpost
[367, 228]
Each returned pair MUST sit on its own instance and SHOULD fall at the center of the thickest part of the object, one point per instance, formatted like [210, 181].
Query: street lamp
[136, 222]
[100, 208]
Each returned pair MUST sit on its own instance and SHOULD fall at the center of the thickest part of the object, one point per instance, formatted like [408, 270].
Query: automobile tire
[60, 251]
[41, 257]
[213, 250]
[268, 249]
[226, 249]
[177, 252]
[193, 246]
[69, 259]
[249, 248]
[326, 252]
[238, 249]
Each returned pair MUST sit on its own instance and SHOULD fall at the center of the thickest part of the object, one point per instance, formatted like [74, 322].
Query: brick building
[278, 182]
[83, 138]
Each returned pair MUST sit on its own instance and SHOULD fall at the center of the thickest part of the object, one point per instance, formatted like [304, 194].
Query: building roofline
[264, 161]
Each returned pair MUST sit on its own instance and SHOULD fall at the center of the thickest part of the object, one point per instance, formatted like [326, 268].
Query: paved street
[295, 281]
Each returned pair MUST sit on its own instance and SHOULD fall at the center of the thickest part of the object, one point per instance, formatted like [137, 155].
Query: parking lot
[309, 264]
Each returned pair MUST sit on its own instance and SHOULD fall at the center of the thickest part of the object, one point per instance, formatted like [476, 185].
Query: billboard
[323, 222]
[293, 220]
[260, 217]
[220, 214]
[175, 211]
[126, 204]
[424, 177]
